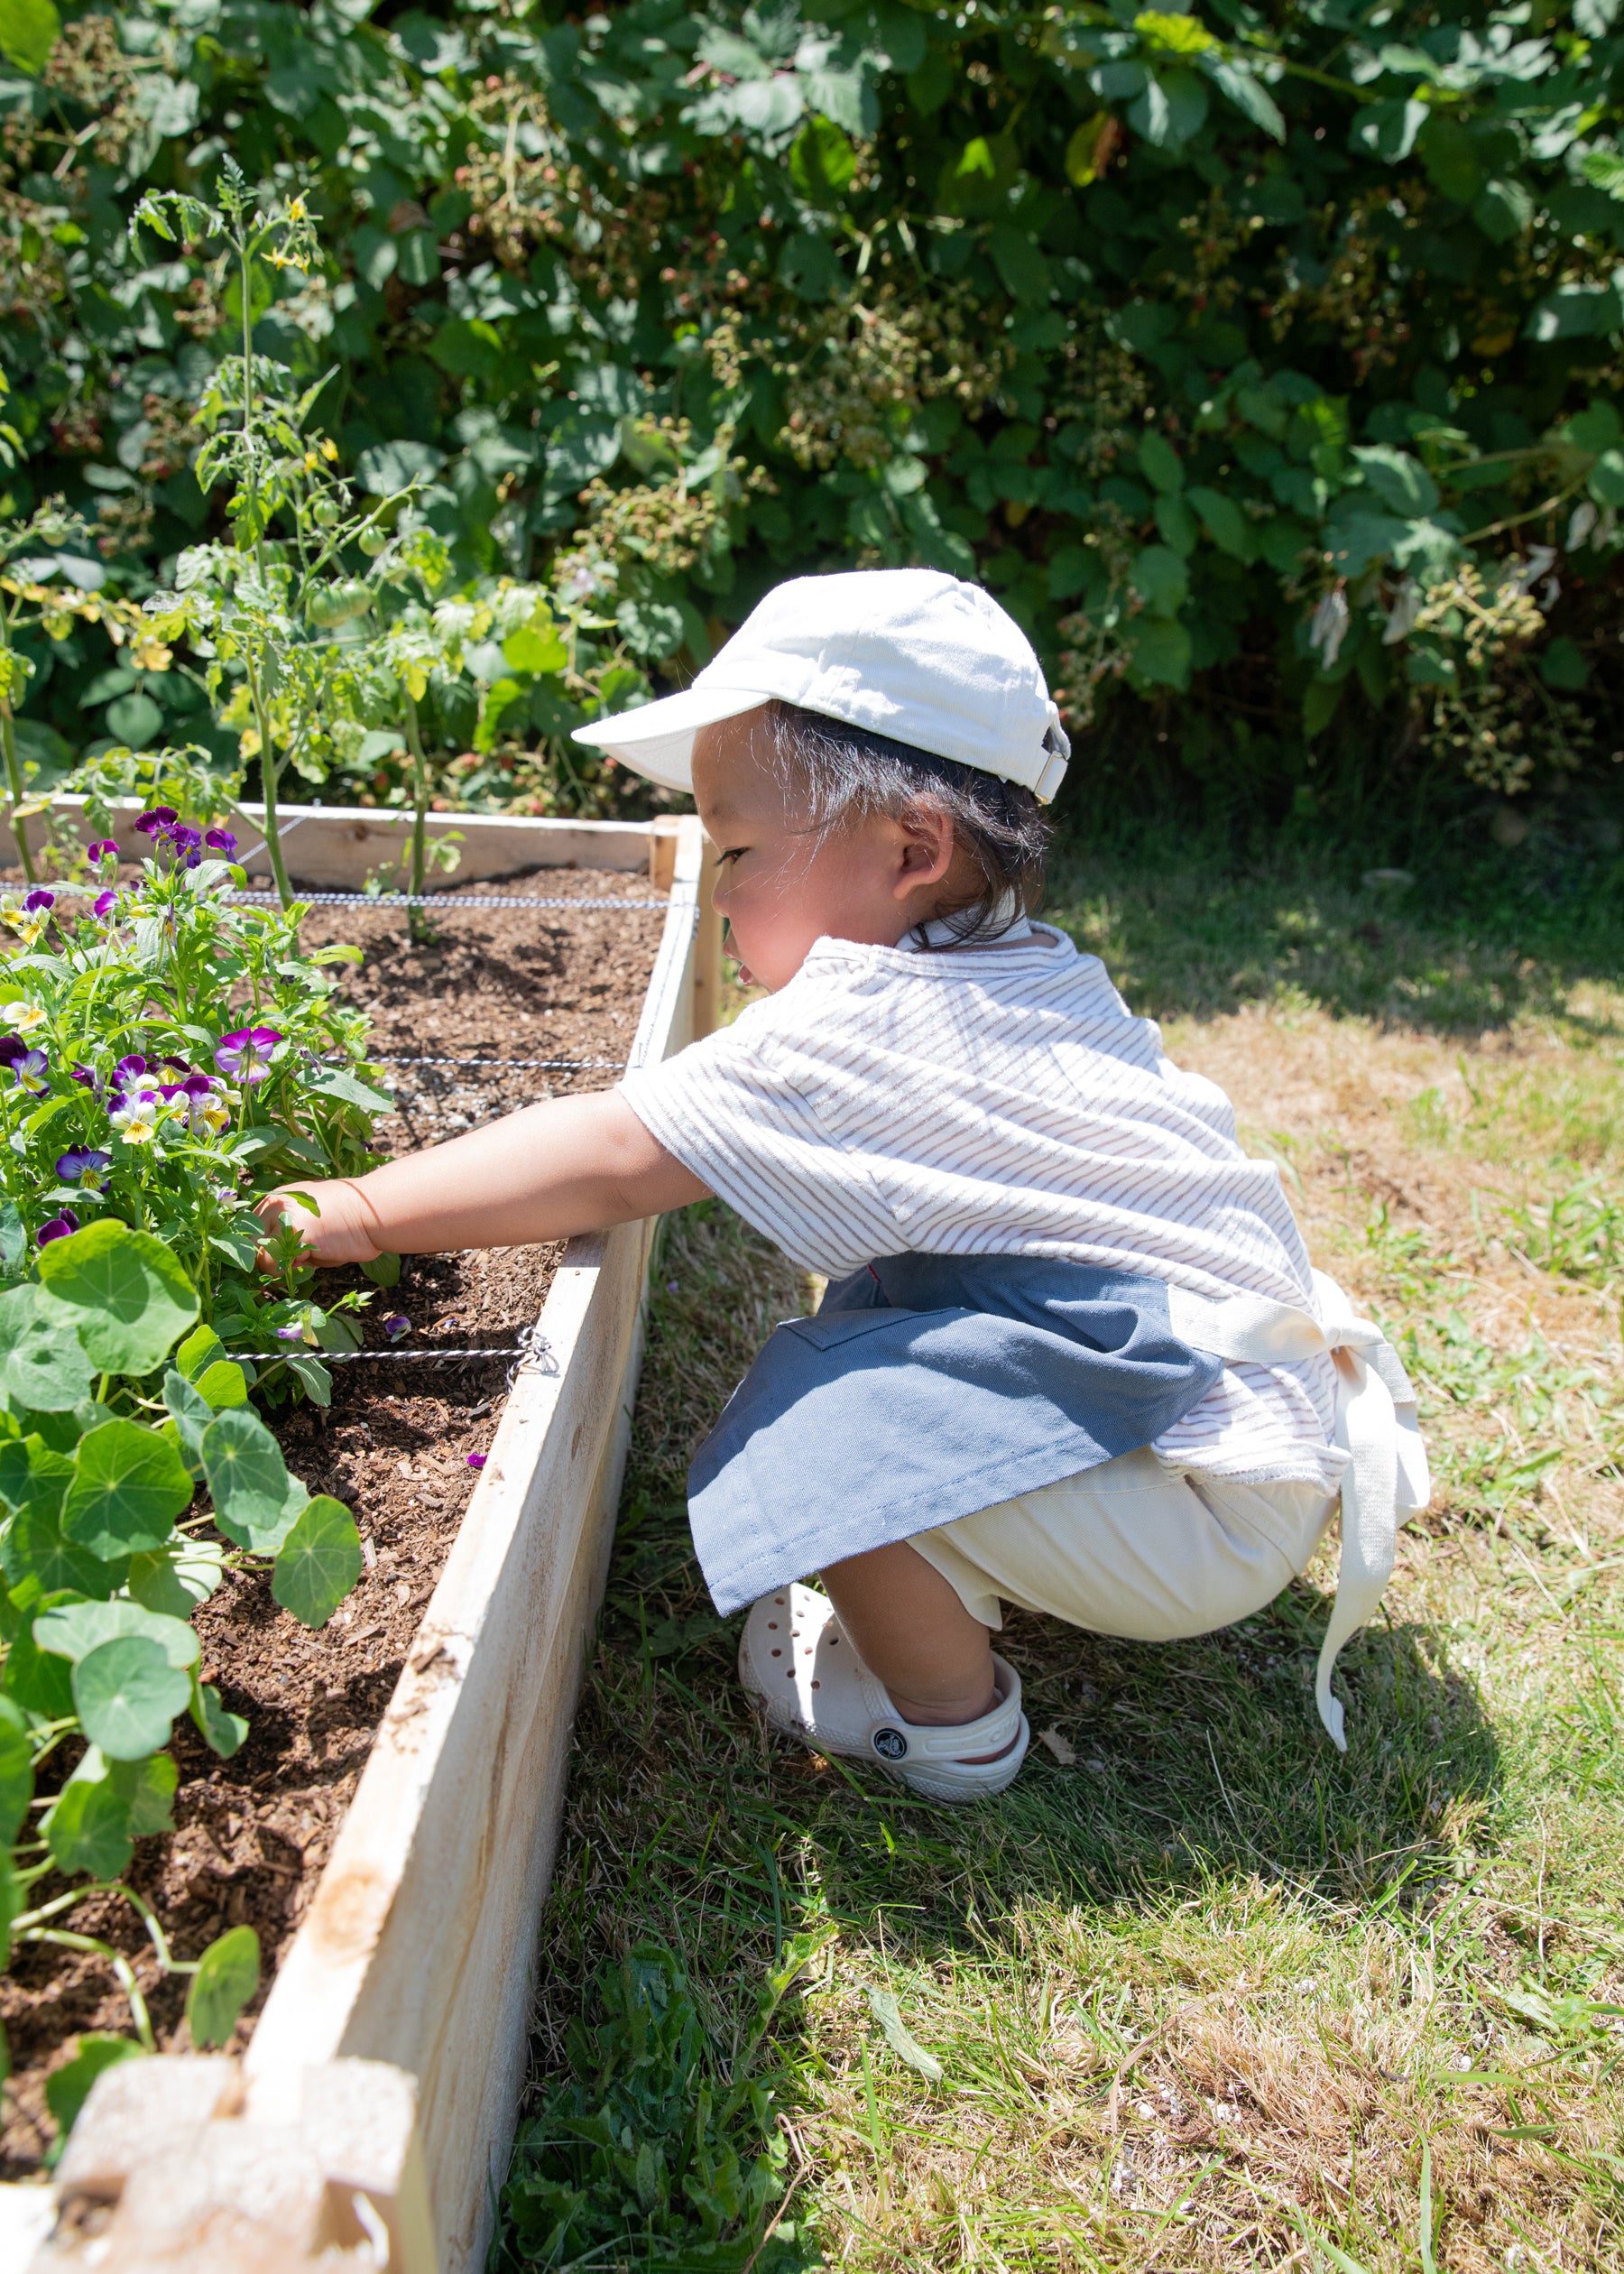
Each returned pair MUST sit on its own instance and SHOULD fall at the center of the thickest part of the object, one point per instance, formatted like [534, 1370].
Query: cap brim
[657, 739]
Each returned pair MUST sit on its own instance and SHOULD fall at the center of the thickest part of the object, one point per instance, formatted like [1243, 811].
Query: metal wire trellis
[442, 901]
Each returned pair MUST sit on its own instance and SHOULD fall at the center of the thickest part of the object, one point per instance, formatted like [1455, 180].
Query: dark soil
[252, 1833]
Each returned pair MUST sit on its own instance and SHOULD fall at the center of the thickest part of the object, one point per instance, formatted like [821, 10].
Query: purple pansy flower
[222, 840]
[477, 1460]
[83, 1166]
[38, 900]
[29, 1071]
[59, 1227]
[128, 1069]
[85, 1075]
[153, 822]
[397, 1324]
[289, 1334]
[244, 1055]
[98, 852]
[11, 1047]
[104, 902]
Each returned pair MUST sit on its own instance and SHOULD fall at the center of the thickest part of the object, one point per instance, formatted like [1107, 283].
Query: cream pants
[1133, 1548]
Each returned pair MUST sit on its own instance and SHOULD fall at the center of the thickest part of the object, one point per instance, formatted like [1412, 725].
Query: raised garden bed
[389, 1825]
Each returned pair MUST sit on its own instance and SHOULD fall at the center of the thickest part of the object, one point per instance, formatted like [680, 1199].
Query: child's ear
[926, 849]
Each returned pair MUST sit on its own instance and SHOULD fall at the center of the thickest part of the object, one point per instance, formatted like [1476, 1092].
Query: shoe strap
[897, 1740]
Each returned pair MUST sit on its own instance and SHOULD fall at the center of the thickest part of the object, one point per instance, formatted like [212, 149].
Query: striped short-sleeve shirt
[999, 1100]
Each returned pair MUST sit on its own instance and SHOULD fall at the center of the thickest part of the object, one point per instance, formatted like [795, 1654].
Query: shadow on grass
[704, 1861]
[1185, 933]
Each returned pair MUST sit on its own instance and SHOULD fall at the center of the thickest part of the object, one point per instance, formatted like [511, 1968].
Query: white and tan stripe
[1000, 1101]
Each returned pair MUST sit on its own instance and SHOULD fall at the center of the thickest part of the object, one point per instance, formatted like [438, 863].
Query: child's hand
[339, 1228]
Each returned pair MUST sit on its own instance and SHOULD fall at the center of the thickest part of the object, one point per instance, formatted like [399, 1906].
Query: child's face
[781, 885]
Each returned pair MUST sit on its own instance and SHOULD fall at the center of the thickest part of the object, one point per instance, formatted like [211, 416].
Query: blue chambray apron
[928, 1387]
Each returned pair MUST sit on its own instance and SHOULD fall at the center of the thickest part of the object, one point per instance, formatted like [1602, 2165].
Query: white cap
[909, 654]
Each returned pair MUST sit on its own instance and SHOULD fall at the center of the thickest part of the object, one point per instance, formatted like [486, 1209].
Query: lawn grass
[1198, 1991]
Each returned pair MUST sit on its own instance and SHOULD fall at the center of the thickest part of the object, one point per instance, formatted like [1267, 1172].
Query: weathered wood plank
[417, 1950]
[335, 848]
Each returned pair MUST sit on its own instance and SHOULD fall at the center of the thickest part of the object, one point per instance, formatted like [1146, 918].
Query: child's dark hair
[846, 772]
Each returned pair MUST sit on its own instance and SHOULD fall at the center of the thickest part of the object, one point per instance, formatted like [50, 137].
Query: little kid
[1073, 1355]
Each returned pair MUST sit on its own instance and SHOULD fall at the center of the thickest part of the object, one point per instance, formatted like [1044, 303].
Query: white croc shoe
[794, 1657]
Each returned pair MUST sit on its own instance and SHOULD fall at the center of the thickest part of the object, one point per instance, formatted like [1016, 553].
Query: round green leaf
[178, 1577]
[228, 1976]
[122, 1290]
[221, 1731]
[43, 1362]
[129, 1485]
[89, 1830]
[126, 1695]
[68, 2088]
[34, 1548]
[76, 1628]
[37, 1680]
[16, 1772]
[249, 1480]
[320, 1563]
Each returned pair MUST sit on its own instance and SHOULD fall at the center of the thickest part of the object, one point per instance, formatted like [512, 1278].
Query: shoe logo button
[890, 1745]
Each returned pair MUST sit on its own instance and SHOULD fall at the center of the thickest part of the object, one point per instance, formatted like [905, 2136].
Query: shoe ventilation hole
[773, 1626]
[818, 1686]
[777, 1654]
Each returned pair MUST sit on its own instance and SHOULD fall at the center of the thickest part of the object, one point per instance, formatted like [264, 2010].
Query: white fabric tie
[1386, 1474]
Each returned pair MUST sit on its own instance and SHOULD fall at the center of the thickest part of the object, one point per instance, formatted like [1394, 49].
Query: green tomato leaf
[123, 1289]
[129, 1485]
[67, 2089]
[320, 1563]
[221, 1731]
[77, 1628]
[228, 1975]
[128, 1694]
[255, 1500]
[43, 1362]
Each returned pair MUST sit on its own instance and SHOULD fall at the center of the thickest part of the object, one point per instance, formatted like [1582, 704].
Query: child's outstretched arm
[573, 1164]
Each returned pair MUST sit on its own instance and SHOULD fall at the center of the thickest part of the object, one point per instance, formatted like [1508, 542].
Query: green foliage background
[1263, 361]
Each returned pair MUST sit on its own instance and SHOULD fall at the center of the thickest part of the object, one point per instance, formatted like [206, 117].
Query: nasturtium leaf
[190, 1410]
[67, 2089]
[221, 1731]
[123, 1289]
[228, 1976]
[77, 1628]
[147, 1788]
[128, 1694]
[88, 1830]
[12, 1901]
[43, 1362]
[35, 1546]
[38, 1680]
[177, 1578]
[384, 1271]
[16, 1772]
[319, 1562]
[129, 1484]
[34, 1474]
[249, 1480]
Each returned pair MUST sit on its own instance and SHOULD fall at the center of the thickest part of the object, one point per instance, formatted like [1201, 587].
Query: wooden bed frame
[369, 2124]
